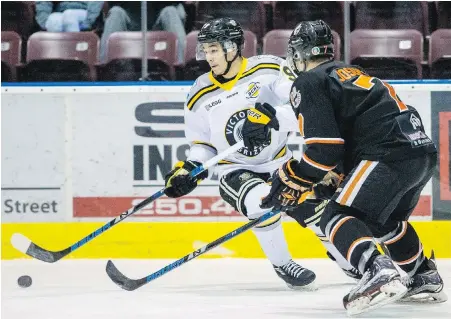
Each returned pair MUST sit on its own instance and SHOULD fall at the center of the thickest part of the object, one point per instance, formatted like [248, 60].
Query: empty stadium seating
[124, 52]
[11, 52]
[383, 40]
[440, 54]
[275, 42]
[388, 54]
[61, 56]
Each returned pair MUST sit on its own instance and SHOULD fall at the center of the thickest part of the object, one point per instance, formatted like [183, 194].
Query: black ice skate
[296, 276]
[426, 285]
[352, 272]
[381, 284]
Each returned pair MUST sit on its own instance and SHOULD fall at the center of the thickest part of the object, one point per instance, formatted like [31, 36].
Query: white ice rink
[203, 288]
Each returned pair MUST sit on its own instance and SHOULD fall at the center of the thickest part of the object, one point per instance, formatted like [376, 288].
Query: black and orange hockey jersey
[347, 115]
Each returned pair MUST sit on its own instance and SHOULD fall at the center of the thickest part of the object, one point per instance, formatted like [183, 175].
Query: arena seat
[388, 54]
[124, 56]
[11, 48]
[440, 54]
[275, 42]
[61, 56]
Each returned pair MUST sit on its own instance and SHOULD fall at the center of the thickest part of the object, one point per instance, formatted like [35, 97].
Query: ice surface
[202, 288]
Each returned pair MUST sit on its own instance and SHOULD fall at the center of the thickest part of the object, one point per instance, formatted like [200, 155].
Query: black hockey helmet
[226, 31]
[310, 40]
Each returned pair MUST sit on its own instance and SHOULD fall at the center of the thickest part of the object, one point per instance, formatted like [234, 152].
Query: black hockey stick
[26, 246]
[132, 284]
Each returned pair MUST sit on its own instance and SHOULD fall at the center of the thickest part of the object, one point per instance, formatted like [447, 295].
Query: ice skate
[381, 284]
[295, 276]
[352, 272]
[426, 285]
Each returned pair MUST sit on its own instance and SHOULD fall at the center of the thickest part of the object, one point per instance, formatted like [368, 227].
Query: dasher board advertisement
[111, 147]
[33, 158]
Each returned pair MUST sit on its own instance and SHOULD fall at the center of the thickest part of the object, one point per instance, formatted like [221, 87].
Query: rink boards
[176, 239]
[76, 156]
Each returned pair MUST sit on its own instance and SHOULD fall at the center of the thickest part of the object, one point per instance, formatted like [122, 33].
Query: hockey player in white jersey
[215, 110]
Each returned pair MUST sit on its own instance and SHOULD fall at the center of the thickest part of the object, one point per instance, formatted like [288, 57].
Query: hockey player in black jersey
[348, 116]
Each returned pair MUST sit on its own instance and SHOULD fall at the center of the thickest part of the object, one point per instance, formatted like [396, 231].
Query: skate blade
[309, 287]
[426, 297]
[390, 292]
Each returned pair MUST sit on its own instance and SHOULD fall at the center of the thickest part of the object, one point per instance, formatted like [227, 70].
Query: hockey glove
[257, 127]
[327, 187]
[178, 182]
[287, 190]
[309, 212]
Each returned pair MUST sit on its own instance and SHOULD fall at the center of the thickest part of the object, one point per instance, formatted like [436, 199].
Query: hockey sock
[405, 247]
[272, 240]
[270, 233]
[353, 239]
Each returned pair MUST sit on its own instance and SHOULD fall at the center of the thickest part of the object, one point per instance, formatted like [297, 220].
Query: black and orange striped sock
[353, 239]
[404, 247]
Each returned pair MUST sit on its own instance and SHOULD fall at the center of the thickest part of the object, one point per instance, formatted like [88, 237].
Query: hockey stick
[132, 284]
[26, 246]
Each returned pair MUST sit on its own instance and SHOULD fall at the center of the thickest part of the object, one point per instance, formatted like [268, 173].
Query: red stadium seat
[73, 56]
[440, 54]
[124, 53]
[250, 14]
[388, 54]
[11, 48]
[275, 42]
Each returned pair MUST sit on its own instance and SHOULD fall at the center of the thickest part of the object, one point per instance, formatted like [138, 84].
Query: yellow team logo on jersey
[255, 116]
[253, 89]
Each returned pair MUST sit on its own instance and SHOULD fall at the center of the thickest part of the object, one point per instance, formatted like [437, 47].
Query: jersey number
[366, 82]
[289, 73]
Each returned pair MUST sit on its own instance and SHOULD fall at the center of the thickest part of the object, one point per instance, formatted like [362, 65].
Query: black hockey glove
[309, 212]
[287, 190]
[258, 124]
[327, 187]
[178, 182]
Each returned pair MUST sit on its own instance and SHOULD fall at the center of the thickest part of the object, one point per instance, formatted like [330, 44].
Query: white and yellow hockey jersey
[215, 113]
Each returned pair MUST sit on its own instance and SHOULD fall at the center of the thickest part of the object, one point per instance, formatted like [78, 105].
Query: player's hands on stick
[309, 212]
[258, 124]
[178, 182]
[327, 187]
[287, 189]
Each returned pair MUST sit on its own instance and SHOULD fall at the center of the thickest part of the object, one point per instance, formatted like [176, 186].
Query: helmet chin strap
[229, 63]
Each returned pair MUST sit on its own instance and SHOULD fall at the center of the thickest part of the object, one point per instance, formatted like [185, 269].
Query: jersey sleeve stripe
[281, 153]
[260, 66]
[293, 175]
[301, 124]
[224, 162]
[316, 164]
[205, 144]
[199, 94]
[321, 140]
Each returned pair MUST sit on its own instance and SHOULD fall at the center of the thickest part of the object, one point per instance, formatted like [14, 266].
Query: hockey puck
[24, 281]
